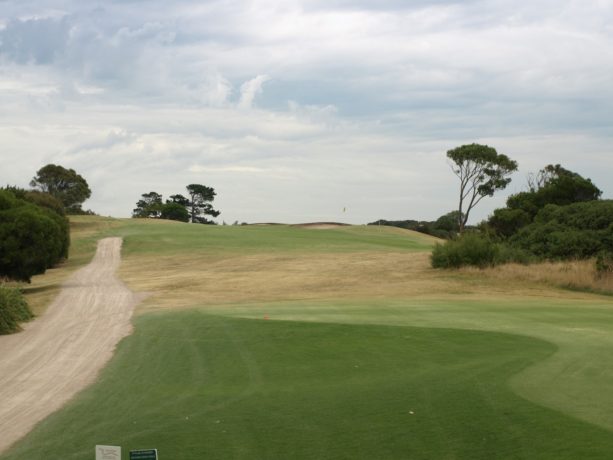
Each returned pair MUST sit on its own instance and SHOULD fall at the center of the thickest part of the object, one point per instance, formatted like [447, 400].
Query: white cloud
[365, 100]
[250, 89]
[88, 89]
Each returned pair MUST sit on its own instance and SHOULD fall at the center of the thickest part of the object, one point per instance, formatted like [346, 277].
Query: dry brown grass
[579, 274]
[188, 280]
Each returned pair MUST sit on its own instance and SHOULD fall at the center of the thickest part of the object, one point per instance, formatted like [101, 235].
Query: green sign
[147, 454]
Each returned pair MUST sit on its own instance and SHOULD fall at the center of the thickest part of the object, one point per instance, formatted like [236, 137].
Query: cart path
[61, 352]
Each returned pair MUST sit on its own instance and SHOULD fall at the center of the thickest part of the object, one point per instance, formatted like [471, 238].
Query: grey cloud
[383, 5]
[151, 89]
[37, 41]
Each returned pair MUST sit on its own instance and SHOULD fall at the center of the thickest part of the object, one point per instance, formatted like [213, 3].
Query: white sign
[108, 453]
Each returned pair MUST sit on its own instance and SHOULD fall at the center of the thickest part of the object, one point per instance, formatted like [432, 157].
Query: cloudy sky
[307, 110]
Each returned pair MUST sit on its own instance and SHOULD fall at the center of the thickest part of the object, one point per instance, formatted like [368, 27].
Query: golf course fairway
[280, 342]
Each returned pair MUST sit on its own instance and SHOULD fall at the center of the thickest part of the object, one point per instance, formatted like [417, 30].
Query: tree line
[194, 208]
[445, 227]
[560, 215]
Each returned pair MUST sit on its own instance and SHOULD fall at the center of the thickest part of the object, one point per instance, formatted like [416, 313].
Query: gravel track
[60, 353]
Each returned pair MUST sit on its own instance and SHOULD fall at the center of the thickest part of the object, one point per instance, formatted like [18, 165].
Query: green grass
[486, 377]
[143, 236]
[576, 380]
[198, 386]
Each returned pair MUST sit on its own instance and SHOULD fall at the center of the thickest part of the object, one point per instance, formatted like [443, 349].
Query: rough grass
[577, 274]
[198, 386]
[182, 265]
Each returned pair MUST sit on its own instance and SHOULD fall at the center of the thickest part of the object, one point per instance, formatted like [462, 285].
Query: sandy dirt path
[60, 353]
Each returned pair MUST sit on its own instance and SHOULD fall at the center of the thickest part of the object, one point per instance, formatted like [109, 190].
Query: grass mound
[13, 310]
[142, 236]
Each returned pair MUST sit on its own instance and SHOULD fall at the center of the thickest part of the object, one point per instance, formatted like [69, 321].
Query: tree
[150, 205]
[554, 185]
[482, 171]
[448, 222]
[201, 197]
[64, 184]
[180, 199]
[543, 177]
[174, 211]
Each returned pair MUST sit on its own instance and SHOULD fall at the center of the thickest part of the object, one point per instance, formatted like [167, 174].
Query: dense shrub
[32, 238]
[505, 222]
[42, 199]
[553, 185]
[13, 310]
[507, 253]
[591, 215]
[469, 249]
[478, 250]
[576, 231]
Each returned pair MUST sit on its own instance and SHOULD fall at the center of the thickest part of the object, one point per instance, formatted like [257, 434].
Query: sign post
[145, 454]
[108, 453]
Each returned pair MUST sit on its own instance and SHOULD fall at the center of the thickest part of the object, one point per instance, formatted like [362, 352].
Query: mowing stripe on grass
[200, 386]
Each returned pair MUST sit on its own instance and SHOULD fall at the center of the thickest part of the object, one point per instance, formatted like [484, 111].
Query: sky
[302, 111]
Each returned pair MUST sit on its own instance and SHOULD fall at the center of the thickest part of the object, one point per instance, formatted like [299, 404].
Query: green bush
[42, 199]
[32, 238]
[506, 222]
[590, 215]
[478, 250]
[13, 310]
[507, 254]
[469, 249]
[576, 231]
